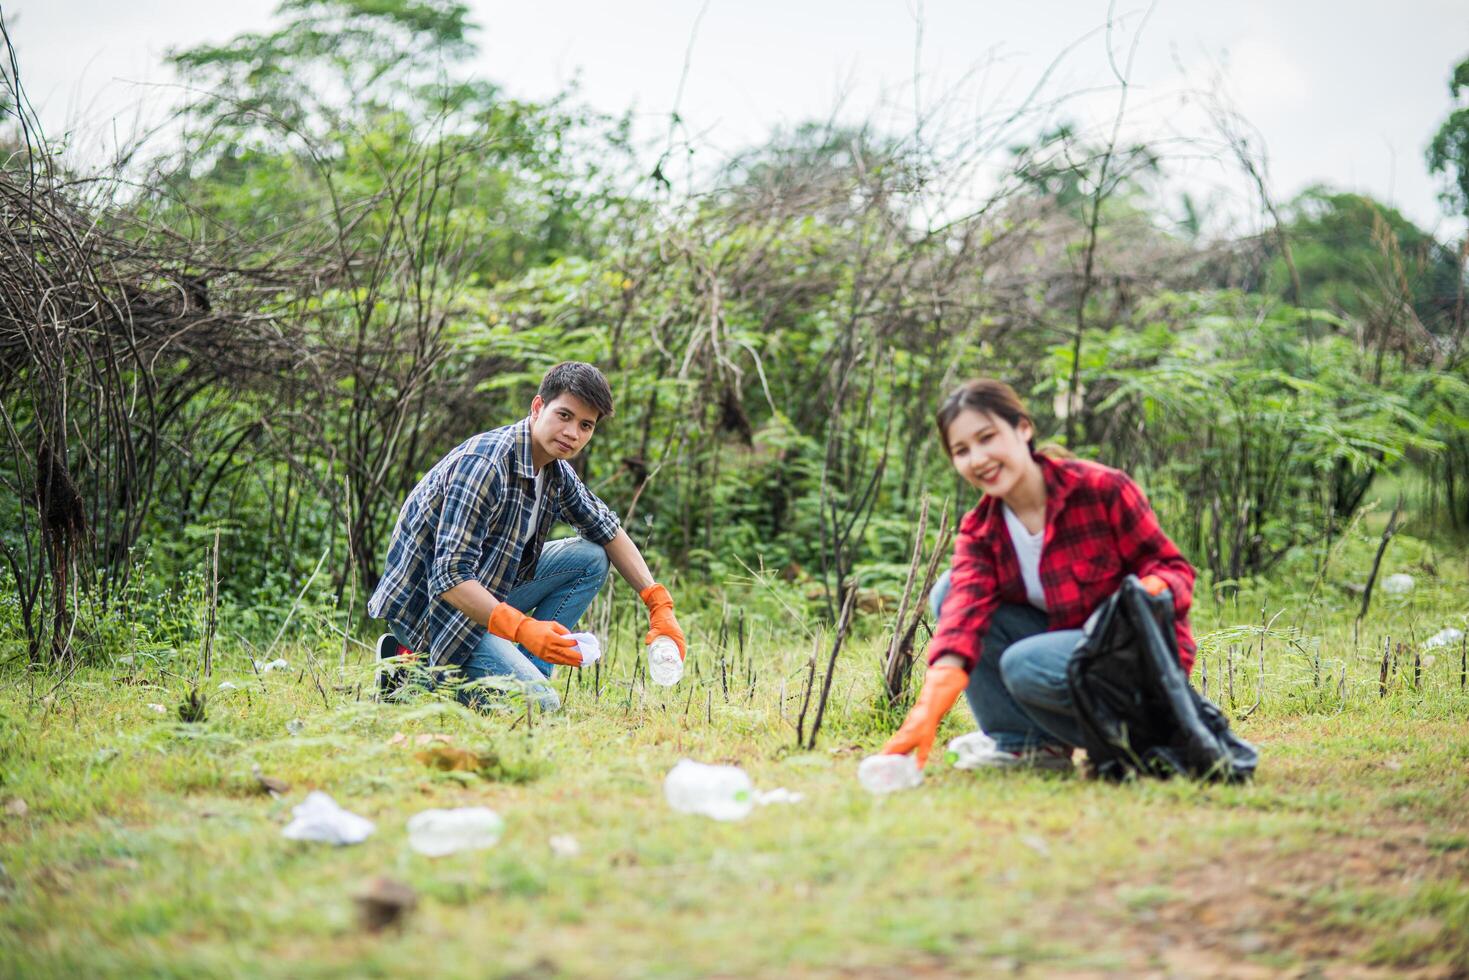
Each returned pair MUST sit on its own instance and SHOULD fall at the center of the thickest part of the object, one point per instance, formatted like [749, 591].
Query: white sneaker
[978, 751]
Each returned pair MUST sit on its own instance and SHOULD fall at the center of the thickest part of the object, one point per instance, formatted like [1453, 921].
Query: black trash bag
[1138, 713]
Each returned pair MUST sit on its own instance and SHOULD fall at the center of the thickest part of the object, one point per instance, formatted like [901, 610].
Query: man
[469, 576]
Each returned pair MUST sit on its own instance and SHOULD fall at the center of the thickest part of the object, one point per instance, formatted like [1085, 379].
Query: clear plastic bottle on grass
[665, 666]
[435, 833]
[718, 792]
[881, 774]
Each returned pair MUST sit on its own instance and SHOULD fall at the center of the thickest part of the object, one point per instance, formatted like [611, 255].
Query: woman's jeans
[1018, 690]
[568, 576]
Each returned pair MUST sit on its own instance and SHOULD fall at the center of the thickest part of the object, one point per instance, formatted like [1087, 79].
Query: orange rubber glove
[544, 639]
[660, 617]
[941, 689]
[1153, 584]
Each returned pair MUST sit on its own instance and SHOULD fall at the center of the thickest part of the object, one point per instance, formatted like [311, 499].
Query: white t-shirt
[1028, 551]
[535, 513]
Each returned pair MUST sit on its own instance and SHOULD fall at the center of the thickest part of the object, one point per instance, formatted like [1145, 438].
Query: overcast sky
[1346, 92]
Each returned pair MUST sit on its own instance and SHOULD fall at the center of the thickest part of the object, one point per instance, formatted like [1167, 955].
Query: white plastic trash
[881, 774]
[665, 666]
[970, 751]
[589, 647]
[1445, 637]
[718, 792]
[1398, 584]
[320, 819]
[564, 845]
[765, 797]
[435, 833]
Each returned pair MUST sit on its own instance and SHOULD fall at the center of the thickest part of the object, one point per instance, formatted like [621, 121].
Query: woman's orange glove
[1153, 585]
[941, 689]
[546, 640]
[660, 617]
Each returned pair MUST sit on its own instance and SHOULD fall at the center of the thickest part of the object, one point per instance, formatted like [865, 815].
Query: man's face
[562, 426]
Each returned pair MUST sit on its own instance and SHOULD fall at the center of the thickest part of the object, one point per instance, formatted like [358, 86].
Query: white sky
[1346, 92]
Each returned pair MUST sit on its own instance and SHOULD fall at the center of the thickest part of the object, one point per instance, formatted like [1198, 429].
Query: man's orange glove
[660, 617]
[544, 639]
[940, 690]
[1153, 585]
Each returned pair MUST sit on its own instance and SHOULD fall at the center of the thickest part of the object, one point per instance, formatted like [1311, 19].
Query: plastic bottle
[719, 792]
[1447, 636]
[665, 666]
[1398, 584]
[880, 774]
[438, 832]
[970, 751]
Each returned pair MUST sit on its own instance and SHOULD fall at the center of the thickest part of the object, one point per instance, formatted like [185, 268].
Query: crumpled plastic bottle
[970, 751]
[665, 666]
[1399, 584]
[718, 792]
[1447, 636]
[435, 833]
[882, 774]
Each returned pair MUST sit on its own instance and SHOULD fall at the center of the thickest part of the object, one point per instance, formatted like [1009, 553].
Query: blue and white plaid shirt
[470, 518]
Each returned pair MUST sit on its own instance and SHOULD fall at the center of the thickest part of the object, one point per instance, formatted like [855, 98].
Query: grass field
[136, 844]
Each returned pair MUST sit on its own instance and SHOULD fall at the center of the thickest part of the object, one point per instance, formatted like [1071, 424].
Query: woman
[1050, 539]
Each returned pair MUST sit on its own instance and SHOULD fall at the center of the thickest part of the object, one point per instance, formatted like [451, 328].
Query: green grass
[147, 847]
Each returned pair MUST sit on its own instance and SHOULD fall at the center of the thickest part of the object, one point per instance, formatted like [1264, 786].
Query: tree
[1448, 154]
[1361, 258]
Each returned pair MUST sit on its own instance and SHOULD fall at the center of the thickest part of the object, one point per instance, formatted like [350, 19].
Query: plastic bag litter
[321, 820]
[1447, 636]
[882, 774]
[970, 751]
[1398, 584]
[265, 667]
[589, 647]
[665, 666]
[435, 833]
[228, 686]
[295, 726]
[717, 792]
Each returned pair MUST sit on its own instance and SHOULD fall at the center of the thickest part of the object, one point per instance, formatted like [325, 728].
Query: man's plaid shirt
[1099, 529]
[470, 518]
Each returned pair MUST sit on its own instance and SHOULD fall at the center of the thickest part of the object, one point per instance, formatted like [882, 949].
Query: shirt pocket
[1102, 566]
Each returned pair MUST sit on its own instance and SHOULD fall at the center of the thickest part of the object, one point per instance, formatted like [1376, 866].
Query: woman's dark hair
[582, 380]
[990, 397]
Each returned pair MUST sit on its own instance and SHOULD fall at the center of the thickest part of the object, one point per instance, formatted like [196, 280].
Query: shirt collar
[525, 464]
[1060, 481]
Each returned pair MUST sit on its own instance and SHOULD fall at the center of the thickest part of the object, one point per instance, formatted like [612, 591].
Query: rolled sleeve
[585, 512]
[1145, 549]
[473, 489]
[970, 604]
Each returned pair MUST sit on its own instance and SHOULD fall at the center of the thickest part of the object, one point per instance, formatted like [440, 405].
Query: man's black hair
[582, 380]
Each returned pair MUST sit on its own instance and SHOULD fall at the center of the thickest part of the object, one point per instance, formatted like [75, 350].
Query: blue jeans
[569, 575]
[1018, 690]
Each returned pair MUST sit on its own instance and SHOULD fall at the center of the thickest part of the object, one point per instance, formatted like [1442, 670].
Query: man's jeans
[569, 575]
[1018, 691]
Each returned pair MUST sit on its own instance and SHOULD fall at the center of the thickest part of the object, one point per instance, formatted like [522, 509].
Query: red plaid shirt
[1099, 528]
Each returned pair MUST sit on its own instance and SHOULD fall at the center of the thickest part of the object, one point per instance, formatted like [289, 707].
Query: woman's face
[989, 452]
